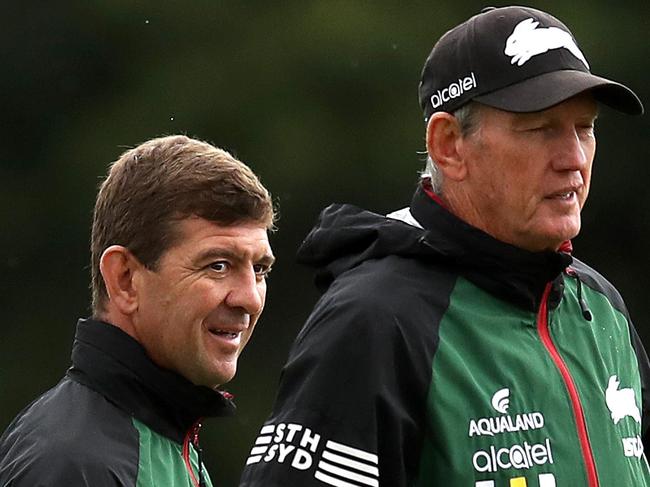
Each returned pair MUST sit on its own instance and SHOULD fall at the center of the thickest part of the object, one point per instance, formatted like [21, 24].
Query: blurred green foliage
[319, 97]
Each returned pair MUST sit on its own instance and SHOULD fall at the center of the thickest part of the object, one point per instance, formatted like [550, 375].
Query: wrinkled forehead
[247, 239]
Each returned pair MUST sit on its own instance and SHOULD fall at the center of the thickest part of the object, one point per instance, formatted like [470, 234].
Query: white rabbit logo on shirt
[621, 402]
[527, 40]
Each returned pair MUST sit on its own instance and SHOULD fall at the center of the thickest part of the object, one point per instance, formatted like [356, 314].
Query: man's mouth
[563, 195]
[225, 333]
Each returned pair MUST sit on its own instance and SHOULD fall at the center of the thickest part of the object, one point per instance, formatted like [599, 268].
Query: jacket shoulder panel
[357, 377]
[70, 436]
[404, 289]
[596, 281]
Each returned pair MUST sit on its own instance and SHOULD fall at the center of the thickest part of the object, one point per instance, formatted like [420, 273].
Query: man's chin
[224, 374]
[557, 232]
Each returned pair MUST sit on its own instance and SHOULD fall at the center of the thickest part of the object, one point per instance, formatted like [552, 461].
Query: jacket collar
[109, 361]
[346, 236]
[502, 269]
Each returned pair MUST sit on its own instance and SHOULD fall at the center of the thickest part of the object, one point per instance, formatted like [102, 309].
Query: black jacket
[439, 356]
[115, 419]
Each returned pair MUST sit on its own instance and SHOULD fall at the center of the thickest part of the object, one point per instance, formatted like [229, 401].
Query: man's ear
[118, 267]
[443, 139]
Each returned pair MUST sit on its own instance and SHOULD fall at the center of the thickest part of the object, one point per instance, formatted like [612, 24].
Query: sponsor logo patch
[506, 423]
[454, 90]
[517, 456]
[501, 400]
[633, 447]
[332, 463]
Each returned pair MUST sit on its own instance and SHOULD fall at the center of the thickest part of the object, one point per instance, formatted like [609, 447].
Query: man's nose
[247, 293]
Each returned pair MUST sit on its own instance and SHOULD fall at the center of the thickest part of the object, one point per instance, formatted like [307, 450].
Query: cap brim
[549, 89]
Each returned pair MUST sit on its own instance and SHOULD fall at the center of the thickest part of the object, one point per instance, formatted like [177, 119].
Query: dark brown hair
[164, 180]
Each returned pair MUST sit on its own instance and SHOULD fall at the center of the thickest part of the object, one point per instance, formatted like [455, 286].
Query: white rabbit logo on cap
[527, 41]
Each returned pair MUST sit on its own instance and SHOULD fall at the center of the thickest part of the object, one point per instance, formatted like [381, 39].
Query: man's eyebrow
[266, 259]
[534, 117]
[227, 253]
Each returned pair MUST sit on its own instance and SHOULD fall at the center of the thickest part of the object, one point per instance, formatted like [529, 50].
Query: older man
[458, 342]
[179, 259]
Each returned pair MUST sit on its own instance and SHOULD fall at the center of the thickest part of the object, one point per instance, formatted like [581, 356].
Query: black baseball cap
[518, 59]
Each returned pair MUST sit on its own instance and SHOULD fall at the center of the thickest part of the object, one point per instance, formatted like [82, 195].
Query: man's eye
[262, 270]
[588, 130]
[539, 128]
[220, 266]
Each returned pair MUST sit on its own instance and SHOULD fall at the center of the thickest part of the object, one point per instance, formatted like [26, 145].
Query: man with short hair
[180, 255]
[457, 341]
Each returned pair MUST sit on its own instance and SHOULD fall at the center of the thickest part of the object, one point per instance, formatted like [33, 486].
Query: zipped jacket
[115, 419]
[439, 356]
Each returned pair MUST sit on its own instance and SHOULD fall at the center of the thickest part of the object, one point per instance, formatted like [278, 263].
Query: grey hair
[468, 119]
